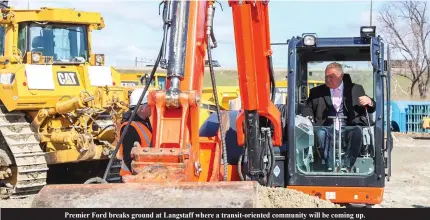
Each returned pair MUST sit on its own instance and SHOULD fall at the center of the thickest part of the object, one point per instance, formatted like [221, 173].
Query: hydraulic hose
[166, 20]
[224, 148]
[272, 78]
[239, 164]
[210, 35]
[133, 114]
[272, 161]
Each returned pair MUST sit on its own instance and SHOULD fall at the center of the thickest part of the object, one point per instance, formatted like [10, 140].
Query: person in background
[138, 134]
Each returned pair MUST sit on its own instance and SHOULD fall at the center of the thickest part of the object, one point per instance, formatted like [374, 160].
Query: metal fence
[407, 116]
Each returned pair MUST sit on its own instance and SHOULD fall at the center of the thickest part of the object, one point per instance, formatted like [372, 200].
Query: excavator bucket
[150, 195]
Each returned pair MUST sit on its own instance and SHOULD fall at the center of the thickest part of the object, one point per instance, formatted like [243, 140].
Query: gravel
[289, 198]
[17, 203]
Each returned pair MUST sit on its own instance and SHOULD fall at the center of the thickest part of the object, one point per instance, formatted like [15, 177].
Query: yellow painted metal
[72, 124]
[225, 94]
[65, 117]
[132, 79]
[206, 109]
[12, 18]
[71, 155]
[57, 15]
[230, 93]
[16, 96]
[426, 122]
[311, 84]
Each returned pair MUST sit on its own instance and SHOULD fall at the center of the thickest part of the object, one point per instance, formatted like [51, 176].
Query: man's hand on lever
[365, 100]
[311, 119]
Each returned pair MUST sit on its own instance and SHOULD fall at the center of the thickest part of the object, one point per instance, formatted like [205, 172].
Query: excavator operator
[139, 133]
[339, 96]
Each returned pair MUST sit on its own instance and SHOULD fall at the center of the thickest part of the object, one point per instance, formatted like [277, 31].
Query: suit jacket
[319, 102]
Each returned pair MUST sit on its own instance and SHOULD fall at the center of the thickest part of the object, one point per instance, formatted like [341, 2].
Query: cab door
[389, 140]
[382, 87]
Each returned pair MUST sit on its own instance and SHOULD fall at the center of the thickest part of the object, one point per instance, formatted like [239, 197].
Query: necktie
[337, 100]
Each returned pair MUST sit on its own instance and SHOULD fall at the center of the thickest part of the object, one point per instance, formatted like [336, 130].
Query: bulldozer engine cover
[150, 195]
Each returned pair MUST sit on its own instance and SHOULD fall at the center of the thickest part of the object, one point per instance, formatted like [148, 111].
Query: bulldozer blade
[243, 194]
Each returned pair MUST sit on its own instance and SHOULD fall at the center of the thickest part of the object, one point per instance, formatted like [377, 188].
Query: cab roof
[53, 15]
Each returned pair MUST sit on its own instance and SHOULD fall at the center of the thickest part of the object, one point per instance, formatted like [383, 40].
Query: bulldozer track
[114, 176]
[29, 166]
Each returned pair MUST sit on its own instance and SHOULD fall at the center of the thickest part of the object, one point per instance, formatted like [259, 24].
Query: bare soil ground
[288, 198]
[410, 178]
[408, 186]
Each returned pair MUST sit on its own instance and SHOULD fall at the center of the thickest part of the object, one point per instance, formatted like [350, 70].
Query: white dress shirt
[341, 93]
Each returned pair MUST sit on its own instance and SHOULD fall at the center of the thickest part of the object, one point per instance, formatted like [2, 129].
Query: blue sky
[134, 27]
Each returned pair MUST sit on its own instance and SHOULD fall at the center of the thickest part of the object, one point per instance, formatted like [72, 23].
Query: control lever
[367, 116]
[370, 133]
[339, 149]
[310, 119]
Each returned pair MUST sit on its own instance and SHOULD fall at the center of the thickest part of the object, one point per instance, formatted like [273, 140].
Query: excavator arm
[179, 157]
[259, 117]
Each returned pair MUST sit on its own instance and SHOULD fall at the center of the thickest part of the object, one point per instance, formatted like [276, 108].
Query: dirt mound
[289, 198]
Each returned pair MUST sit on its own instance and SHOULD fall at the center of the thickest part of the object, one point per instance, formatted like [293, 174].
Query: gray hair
[334, 65]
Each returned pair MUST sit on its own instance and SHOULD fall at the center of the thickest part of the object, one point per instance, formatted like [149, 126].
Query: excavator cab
[320, 172]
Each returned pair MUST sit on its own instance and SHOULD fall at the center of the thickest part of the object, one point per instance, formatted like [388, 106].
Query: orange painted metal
[176, 142]
[179, 128]
[209, 164]
[196, 47]
[252, 42]
[351, 195]
[178, 158]
[176, 130]
[157, 155]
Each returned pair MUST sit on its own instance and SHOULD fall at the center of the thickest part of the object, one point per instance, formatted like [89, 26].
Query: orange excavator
[223, 162]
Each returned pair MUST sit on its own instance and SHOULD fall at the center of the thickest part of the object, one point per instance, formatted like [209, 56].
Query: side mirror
[97, 59]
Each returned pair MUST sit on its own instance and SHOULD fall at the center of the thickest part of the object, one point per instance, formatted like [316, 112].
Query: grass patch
[399, 85]
[228, 77]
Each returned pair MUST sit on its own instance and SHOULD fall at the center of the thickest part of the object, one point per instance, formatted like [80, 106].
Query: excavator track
[29, 167]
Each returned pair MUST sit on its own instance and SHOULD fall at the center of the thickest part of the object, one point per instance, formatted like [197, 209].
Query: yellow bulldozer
[137, 79]
[229, 95]
[133, 78]
[58, 100]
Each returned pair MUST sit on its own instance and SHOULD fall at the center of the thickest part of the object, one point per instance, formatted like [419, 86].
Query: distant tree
[406, 28]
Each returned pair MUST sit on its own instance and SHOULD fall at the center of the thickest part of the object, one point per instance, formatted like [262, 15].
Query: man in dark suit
[339, 96]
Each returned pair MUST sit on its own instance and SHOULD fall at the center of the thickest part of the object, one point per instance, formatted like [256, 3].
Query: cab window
[162, 82]
[323, 149]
